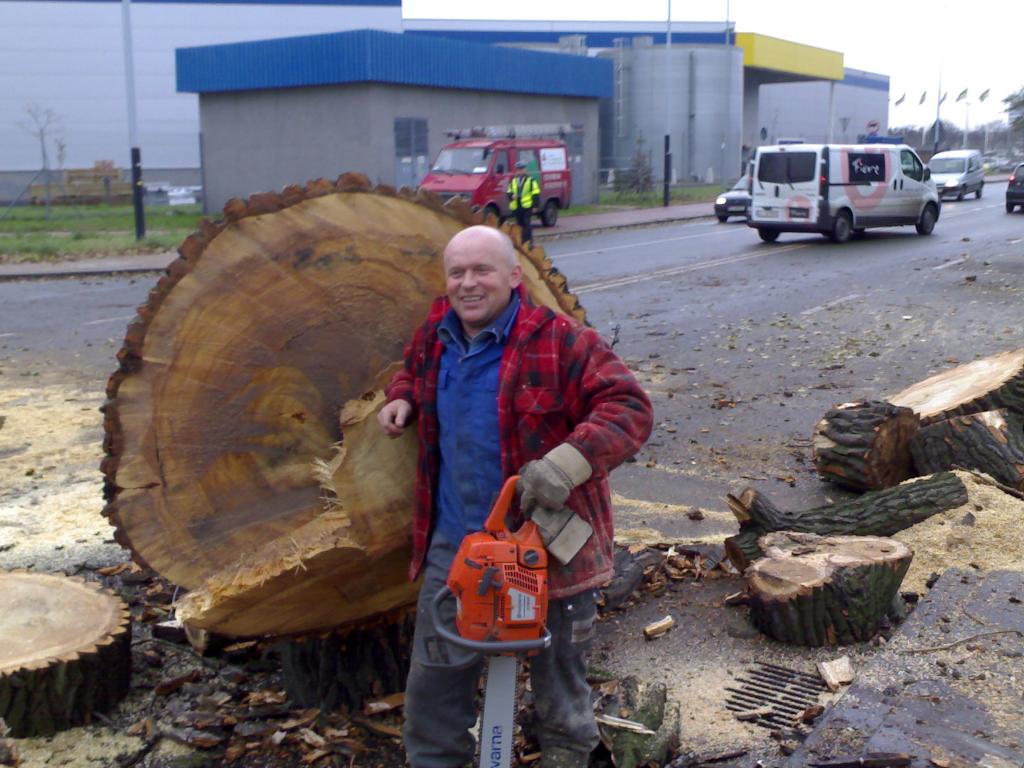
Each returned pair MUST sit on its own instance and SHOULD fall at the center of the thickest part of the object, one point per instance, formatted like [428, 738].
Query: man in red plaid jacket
[498, 386]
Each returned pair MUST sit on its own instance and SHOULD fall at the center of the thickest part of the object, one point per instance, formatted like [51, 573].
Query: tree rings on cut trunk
[984, 385]
[865, 445]
[65, 652]
[833, 590]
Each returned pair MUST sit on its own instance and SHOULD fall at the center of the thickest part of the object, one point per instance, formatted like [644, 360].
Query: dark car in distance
[735, 201]
[1015, 189]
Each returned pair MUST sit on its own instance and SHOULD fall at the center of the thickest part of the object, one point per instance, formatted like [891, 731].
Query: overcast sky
[975, 43]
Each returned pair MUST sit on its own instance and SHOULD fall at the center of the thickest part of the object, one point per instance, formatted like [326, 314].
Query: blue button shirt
[467, 407]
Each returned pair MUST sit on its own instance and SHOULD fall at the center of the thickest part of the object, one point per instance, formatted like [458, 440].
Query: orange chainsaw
[500, 582]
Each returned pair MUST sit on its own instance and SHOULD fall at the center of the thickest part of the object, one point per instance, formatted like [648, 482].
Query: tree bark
[987, 384]
[865, 445]
[342, 670]
[228, 470]
[991, 442]
[834, 590]
[65, 652]
[878, 513]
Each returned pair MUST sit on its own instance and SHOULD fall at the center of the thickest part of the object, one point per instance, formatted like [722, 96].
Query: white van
[840, 190]
[957, 173]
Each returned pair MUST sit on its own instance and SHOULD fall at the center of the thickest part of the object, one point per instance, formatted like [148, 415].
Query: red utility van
[479, 170]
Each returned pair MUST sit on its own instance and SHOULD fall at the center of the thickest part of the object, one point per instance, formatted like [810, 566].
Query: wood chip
[736, 598]
[811, 714]
[312, 738]
[623, 724]
[304, 719]
[312, 757]
[836, 673]
[170, 685]
[659, 627]
[386, 704]
[381, 728]
[752, 714]
[113, 570]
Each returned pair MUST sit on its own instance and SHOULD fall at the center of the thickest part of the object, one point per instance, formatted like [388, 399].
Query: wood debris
[659, 627]
[836, 673]
[623, 724]
[386, 704]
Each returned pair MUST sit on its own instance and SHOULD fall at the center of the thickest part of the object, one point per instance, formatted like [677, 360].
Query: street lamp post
[133, 136]
[665, 192]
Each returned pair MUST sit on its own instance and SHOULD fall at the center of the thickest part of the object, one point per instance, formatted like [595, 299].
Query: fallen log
[865, 445]
[878, 513]
[824, 590]
[65, 652]
[991, 442]
[227, 468]
[987, 384]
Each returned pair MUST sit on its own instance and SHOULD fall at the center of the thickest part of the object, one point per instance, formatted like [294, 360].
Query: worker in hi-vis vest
[523, 195]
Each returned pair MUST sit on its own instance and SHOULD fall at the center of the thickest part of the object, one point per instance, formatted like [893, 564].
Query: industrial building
[715, 93]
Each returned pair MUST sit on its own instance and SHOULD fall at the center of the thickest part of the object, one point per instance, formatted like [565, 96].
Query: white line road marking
[5, 335]
[951, 263]
[553, 257]
[110, 320]
[829, 305]
[1014, 242]
[618, 282]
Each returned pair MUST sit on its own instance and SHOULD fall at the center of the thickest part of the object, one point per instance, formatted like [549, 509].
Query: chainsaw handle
[495, 522]
[486, 647]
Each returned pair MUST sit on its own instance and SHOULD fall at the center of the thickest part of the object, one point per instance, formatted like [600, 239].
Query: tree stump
[342, 670]
[833, 590]
[878, 513]
[65, 652]
[865, 445]
[991, 442]
[987, 384]
[228, 470]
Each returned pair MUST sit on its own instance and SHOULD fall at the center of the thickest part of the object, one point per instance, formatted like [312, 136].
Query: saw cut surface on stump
[865, 445]
[244, 461]
[814, 590]
[65, 652]
[984, 385]
[991, 442]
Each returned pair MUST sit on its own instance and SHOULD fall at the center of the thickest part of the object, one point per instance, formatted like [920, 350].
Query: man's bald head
[481, 238]
[481, 272]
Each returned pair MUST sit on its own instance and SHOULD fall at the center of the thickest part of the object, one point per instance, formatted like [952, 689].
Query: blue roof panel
[594, 39]
[368, 55]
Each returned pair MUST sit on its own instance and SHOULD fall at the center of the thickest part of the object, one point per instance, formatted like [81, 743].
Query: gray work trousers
[440, 692]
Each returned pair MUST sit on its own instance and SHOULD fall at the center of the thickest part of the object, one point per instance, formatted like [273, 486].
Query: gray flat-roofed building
[276, 112]
[800, 110]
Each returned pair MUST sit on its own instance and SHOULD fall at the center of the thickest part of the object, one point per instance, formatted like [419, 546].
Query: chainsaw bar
[498, 722]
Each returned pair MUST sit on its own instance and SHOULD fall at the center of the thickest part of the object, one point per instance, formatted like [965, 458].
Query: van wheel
[549, 215]
[768, 235]
[977, 192]
[858, 232]
[960, 193]
[842, 227]
[1010, 207]
[722, 219]
[492, 210]
[926, 223]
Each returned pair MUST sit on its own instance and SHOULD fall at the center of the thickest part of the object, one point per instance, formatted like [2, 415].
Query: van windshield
[787, 167]
[947, 165]
[463, 160]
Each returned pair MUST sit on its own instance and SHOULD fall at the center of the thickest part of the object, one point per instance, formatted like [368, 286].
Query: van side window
[533, 164]
[972, 163]
[912, 167]
[501, 161]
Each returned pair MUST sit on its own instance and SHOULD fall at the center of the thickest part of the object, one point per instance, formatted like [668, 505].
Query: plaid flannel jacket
[559, 382]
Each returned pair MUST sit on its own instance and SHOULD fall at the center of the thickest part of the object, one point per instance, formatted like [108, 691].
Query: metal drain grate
[779, 694]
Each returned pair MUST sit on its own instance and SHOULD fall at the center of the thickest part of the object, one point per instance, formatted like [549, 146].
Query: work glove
[545, 485]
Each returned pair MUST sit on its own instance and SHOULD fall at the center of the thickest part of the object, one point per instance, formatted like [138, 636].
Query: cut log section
[865, 445]
[833, 590]
[878, 513]
[991, 442]
[985, 385]
[227, 470]
[65, 652]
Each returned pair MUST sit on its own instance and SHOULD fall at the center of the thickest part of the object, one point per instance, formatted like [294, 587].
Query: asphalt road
[743, 345]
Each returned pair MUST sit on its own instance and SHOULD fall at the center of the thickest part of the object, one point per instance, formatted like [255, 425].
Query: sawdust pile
[986, 533]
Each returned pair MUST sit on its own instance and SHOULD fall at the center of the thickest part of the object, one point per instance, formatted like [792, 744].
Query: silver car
[958, 173]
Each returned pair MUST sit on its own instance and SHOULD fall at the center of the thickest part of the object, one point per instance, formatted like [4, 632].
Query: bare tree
[44, 123]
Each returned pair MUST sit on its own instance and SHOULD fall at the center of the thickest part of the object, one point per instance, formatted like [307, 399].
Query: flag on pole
[900, 100]
[984, 95]
[963, 95]
[923, 97]
[943, 97]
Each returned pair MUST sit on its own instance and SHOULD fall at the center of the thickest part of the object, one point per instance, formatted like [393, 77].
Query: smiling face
[481, 272]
